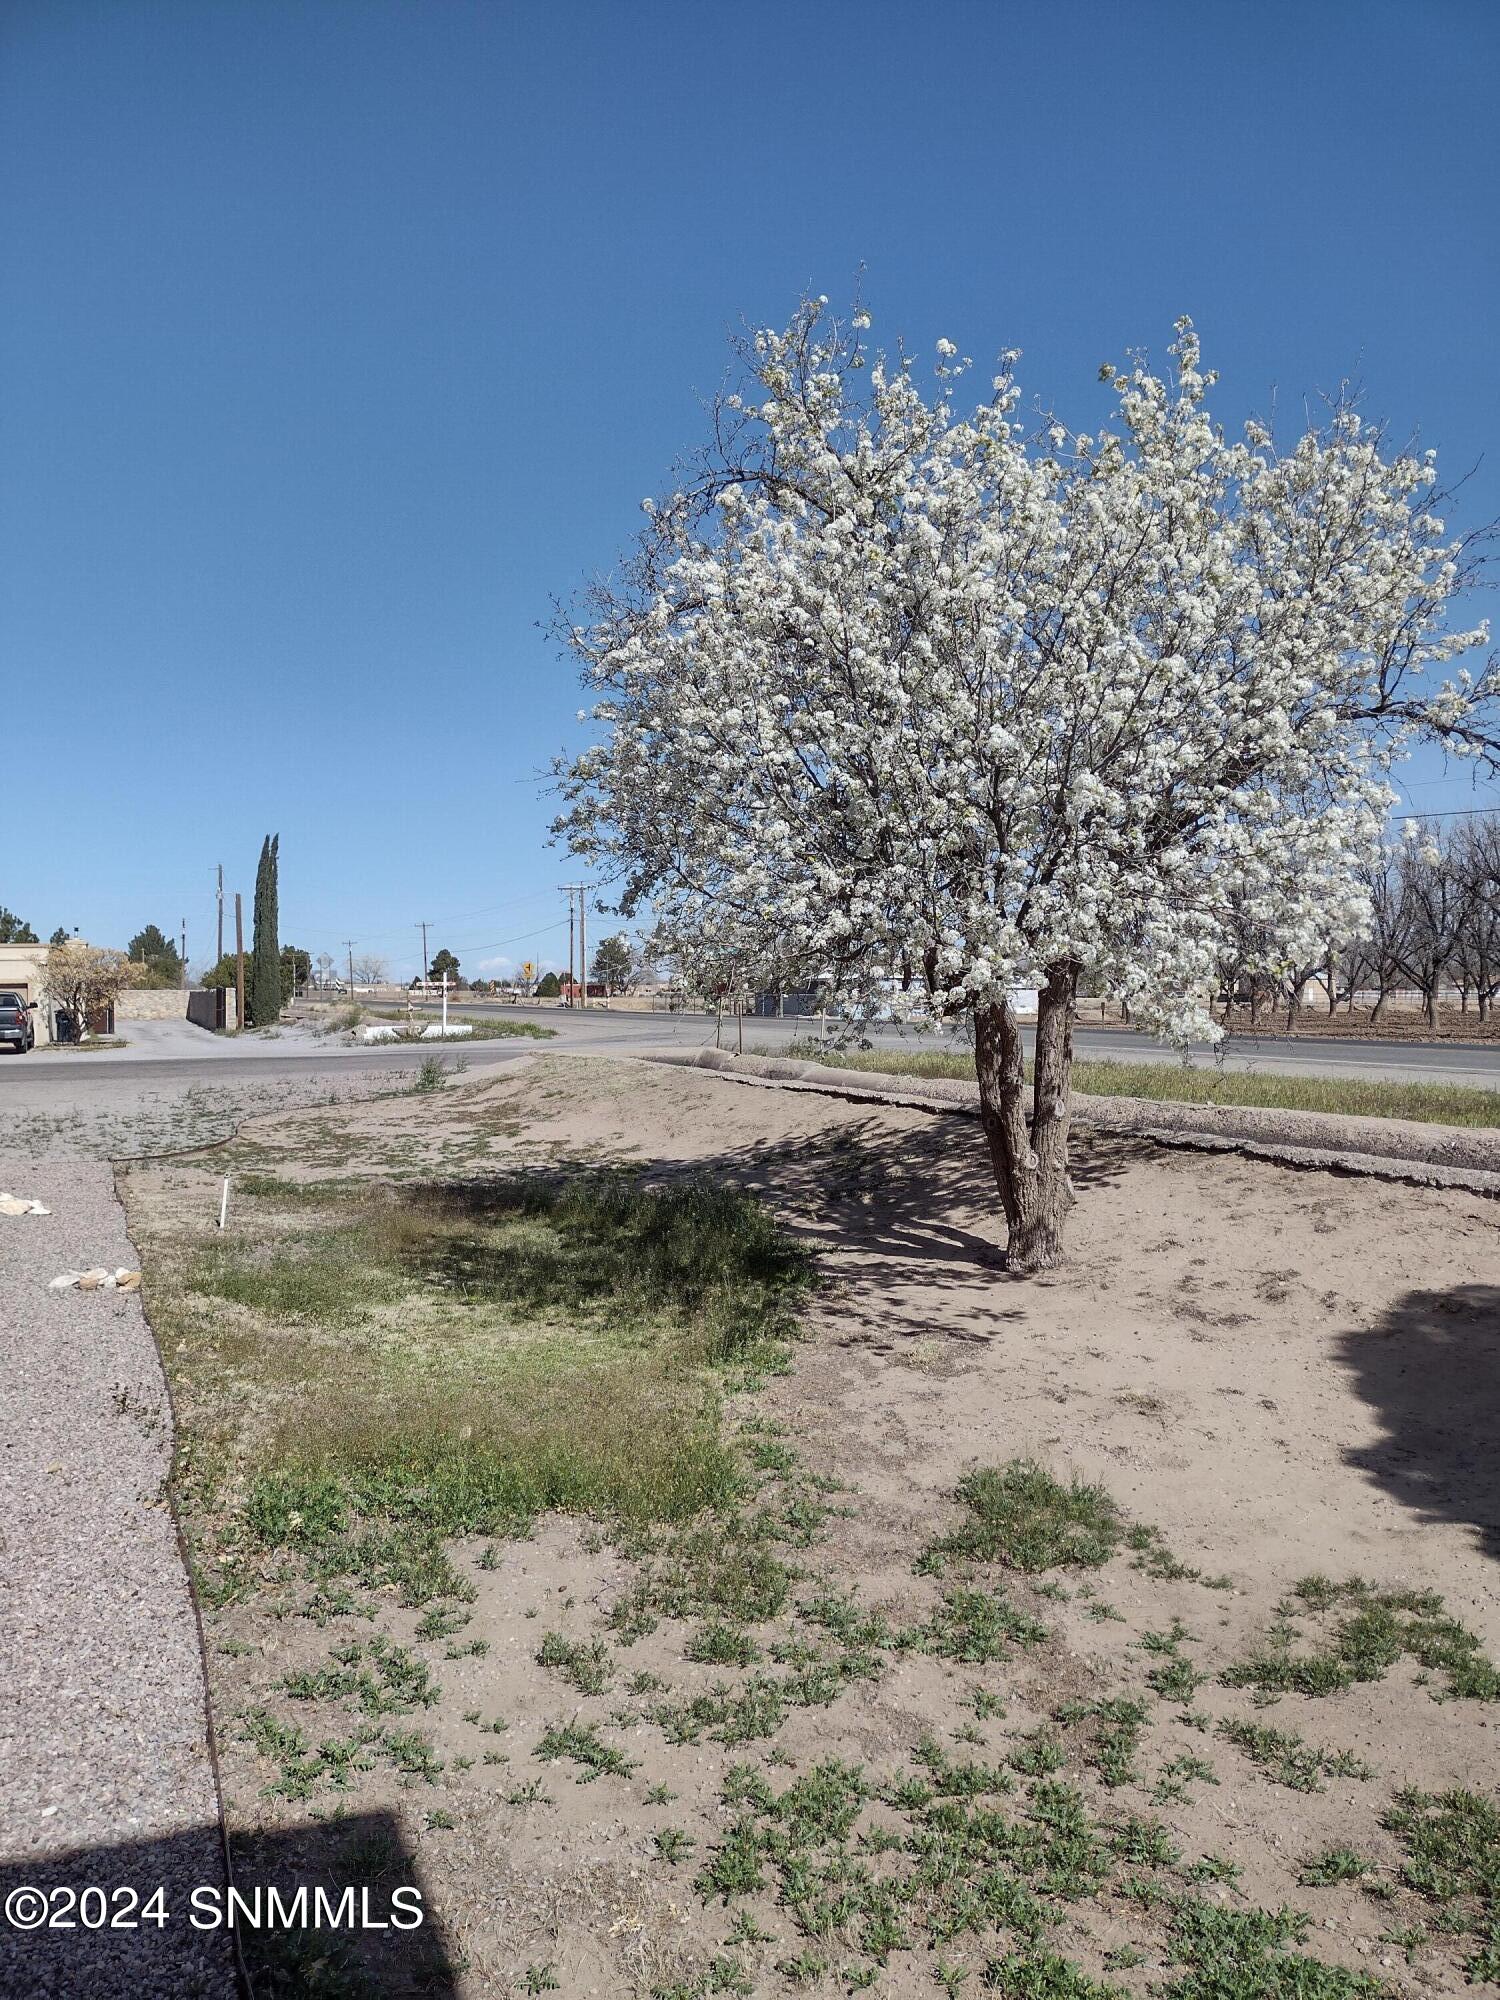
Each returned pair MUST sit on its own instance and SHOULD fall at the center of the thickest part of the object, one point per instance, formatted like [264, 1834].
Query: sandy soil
[1284, 1372]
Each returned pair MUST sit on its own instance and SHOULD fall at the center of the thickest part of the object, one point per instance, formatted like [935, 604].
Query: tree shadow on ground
[347, 1950]
[1431, 1371]
[911, 1211]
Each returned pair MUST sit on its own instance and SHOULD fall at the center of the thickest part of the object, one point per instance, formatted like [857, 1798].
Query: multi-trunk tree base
[1029, 1157]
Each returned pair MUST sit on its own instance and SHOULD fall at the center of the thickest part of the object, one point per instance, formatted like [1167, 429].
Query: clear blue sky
[336, 339]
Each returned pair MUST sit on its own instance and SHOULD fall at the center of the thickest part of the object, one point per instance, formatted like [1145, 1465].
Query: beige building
[22, 969]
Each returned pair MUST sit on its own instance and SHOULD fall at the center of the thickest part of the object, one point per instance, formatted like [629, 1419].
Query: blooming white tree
[939, 704]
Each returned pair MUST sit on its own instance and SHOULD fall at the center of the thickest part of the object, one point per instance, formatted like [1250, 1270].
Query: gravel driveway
[105, 1775]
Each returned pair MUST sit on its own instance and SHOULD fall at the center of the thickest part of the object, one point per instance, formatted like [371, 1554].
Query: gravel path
[104, 1769]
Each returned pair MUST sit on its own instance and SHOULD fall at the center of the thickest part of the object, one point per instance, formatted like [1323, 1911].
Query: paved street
[164, 1054]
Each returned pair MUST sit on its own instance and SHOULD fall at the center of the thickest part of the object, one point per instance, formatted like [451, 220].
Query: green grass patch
[943, 1854]
[292, 1194]
[304, 1769]
[1288, 1760]
[1452, 1844]
[1019, 1515]
[1043, 1975]
[1118, 1726]
[480, 1030]
[1375, 1630]
[581, 1744]
[1333, 1864]
[457, 1360]
[378, 1677]
[1195, 1083]
[975, 1626]
[1230, 1954]
[585, 1664]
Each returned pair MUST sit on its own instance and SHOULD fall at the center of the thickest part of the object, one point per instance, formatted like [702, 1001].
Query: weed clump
[581, 1744]
[1021, 1516]
[1452, 1843]
[1378, 1628]
[1288, 1760]
[1230, 1953]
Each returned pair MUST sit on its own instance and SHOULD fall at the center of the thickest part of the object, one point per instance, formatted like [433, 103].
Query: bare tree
[369, 970]
[1431, 888]
[1474, 853]
[1384, 949]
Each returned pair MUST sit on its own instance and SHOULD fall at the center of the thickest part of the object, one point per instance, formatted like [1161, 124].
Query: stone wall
[152, 1003]
[159, 1003]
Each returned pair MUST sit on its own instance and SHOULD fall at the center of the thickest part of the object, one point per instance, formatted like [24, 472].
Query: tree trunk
[1030, 1167]
[1430, 998]
[1379, 1003]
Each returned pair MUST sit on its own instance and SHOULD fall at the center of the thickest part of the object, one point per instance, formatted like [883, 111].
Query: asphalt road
[1475, 1063]
[46, 1069]
[164, 1054]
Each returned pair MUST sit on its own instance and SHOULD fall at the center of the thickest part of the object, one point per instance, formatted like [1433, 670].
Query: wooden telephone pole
[239, 963]
[570, 890]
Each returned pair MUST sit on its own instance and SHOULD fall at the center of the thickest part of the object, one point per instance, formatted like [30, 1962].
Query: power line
[442, 923]
[1450, 812]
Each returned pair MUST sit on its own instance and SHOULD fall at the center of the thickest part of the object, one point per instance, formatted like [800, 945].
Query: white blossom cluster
[928, 703]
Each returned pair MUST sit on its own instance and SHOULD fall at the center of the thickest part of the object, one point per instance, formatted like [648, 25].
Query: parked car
[17, 1029]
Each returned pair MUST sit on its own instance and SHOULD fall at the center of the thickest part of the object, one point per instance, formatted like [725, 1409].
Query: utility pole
[239, 964]
[570, 890]
[424, 961]
[349, 947]
[182, 955]
[220, 959]
[583, 947]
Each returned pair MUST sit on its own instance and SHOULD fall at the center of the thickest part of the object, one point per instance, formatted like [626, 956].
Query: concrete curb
[1442, 1156]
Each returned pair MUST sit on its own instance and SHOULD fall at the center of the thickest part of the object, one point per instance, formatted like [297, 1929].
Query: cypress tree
[257, 932]
[263, 1002]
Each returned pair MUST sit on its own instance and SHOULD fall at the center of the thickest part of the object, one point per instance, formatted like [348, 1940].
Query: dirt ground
[1284, 1372]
